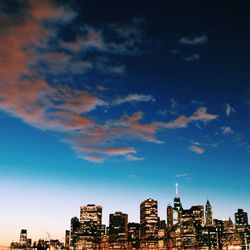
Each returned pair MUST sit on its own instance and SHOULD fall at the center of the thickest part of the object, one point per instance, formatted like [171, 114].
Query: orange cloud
[110, 151]
[25, 92]
[131, 126]
[79, 102]
[42, 10]
[199, 115]
[180, 122]
[93, 158]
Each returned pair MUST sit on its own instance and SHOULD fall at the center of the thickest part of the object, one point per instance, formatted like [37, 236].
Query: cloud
[133, 98]
[199, 115]
[133, 39]
[93, 158]
[35, 85]
[173, 103]
[98, 139]
[229, 109]
[182, 175]
[91, 39]
[129, 40]
[181, 122]
[196, 149]
[212, 145]
[110, 151]
[77, 101]
[47, 10]
[131, 157]
[191, 58]
[131, 126]
[193, 41]
[227, 130]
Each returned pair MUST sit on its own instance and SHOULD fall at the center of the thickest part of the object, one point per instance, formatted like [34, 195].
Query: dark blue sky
[102, 100]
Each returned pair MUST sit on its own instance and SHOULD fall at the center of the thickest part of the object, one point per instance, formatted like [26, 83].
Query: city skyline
[162, 213]
[111, 103]
[89, 225]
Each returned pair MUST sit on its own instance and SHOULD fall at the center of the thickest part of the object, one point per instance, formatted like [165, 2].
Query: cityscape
[124, 125]
[193, 228]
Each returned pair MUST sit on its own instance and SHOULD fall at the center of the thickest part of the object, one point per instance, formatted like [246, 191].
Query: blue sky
[113, 107]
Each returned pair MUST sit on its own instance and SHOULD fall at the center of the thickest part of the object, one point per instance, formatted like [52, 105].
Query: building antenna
[176, 190]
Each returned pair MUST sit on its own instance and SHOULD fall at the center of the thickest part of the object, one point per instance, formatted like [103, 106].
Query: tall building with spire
[209, 214]
[177, 206]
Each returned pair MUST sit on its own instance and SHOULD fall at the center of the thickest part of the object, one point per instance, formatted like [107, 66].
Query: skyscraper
[23, 238]
[74, 228]
[177, 207]
[91, 220]
[169, 216]
[198, 214]
[209, 214]
[241, 218]
[149, 218]
[118, 227]
[134, 234]
[67, 239]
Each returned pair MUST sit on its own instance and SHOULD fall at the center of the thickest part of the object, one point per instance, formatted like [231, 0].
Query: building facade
[241, 218]
[149, 218]
[209, 214]
[118, 227]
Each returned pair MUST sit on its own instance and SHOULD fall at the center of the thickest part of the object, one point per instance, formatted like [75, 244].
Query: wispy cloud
[205, 145]
[131, 157]
[197, 40]
[93, 158]
[129, 40]
[173, 103]
[229, 109]
[227, 130]
[133, 98]
[91, 39]
[199, 115]
[182, 175]
[33, 65]
[196, 149]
